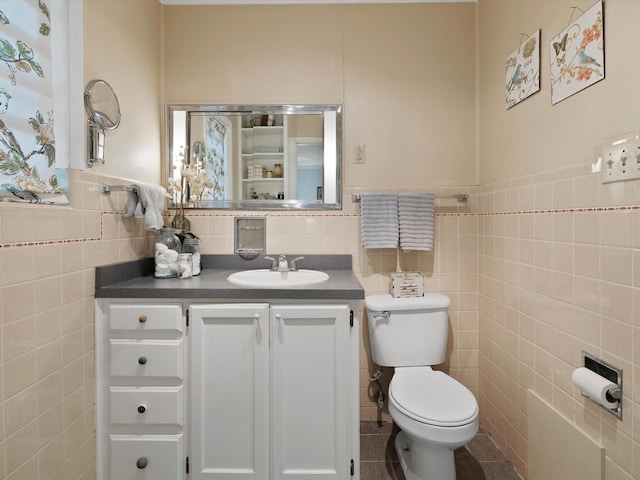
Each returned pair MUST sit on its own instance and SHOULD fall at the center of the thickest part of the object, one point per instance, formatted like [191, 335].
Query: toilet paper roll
[594, 386]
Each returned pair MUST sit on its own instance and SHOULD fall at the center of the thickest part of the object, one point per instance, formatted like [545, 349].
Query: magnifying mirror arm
[96, 144]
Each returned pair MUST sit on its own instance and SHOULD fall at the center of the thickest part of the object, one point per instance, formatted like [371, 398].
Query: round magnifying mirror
[102, 104]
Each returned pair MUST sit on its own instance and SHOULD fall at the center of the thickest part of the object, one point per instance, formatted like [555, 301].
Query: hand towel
[379, 220]
[416, 212]
[151, 199]
[131, 204]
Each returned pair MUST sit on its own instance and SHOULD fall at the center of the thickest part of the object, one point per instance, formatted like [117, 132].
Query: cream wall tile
[72, 287]
[616, 301]
[18, 338]
[49, 391]
[587, 228]
[18, 265]
[47, 326]
[19, 410]
[71, 224]
[586, 260]
[72, 376]
[19, 373]
[51, 457]
[48, 294]
[21, 445]
[616, 228]
[616, 265]
[27, 471]
[47, 260]
[71, 255]
[50, 424]
[17, 224]
[543, 196]
[48, 359]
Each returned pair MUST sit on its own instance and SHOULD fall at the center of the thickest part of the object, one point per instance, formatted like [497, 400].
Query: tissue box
[406, 284]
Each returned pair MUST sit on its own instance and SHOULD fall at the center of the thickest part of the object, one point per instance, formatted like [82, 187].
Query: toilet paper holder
[612, 374]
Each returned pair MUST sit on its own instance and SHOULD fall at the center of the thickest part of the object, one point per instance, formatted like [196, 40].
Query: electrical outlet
[359, 153]
[621, 159]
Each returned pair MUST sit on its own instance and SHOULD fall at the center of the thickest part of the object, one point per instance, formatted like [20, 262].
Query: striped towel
[416, 220]
[379, 221]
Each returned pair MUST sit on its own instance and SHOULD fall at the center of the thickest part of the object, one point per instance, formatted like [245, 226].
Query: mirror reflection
[256, 157]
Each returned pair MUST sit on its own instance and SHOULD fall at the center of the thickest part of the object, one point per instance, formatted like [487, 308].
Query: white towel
[416, 212]
[379, 221]
[147, 201]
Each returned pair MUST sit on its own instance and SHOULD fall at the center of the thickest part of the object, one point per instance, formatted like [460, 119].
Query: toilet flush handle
[385, 314]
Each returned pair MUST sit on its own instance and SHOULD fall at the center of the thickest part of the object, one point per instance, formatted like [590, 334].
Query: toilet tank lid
[387, 302]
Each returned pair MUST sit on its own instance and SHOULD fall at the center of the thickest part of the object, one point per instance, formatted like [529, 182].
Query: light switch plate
[620, 158]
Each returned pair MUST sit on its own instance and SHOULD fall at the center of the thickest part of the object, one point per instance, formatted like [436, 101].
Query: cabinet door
[310, 367]
[229, 392]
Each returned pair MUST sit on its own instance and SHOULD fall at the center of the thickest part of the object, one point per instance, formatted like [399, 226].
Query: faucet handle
[274, 262]
[293, 265]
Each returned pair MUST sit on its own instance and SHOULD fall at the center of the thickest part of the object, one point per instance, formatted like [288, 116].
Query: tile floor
[479, 460]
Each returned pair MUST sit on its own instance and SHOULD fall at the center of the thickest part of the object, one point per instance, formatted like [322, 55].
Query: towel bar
[460, 197]
[107, 189]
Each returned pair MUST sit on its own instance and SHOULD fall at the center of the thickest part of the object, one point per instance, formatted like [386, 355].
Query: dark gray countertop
[135, 280]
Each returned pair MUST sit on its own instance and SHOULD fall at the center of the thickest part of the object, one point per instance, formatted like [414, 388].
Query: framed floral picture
[523, 71]
[577, 55]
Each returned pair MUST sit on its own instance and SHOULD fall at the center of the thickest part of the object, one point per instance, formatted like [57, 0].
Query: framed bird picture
[577, 55]
[523, 71]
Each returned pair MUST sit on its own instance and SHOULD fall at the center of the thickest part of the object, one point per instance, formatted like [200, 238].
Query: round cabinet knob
[142, 360]
[142, 462]
[142, 408]
[142, 318]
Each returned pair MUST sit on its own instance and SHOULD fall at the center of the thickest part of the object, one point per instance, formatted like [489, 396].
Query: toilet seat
[432, 397]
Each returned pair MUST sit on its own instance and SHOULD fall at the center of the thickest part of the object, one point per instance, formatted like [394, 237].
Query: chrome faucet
[293, 267]
[280, 264]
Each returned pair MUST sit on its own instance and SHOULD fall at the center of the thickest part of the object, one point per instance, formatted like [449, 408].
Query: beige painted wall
[405, 74]
[535, 136]
[123, 46]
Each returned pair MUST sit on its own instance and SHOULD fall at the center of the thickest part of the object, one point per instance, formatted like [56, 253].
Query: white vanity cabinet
[141, 391]
[251, 390]
[273, 392]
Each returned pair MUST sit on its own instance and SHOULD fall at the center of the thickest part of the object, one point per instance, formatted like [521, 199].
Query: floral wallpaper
[27, 141]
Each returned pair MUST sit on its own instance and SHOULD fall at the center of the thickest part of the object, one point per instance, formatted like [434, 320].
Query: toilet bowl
[435, 413]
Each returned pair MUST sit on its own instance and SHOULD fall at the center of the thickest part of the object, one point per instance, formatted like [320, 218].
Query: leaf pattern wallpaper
[27, 141]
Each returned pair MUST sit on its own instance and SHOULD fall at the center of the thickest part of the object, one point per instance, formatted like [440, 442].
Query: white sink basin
[267, 278]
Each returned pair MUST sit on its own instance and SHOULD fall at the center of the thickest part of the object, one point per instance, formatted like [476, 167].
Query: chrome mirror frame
[332, 169]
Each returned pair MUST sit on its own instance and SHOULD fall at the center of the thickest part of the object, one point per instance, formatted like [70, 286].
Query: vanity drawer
[162, 406]
[147, 359]
[141, 317]
[147, 457]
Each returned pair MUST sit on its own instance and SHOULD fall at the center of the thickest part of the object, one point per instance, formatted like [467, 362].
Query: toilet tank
[408, 331]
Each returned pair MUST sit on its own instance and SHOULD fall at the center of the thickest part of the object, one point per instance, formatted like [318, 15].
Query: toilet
[435, 413]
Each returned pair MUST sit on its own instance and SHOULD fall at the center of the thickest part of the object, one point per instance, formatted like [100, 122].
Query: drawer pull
[142, 318]
[142, 462]
[142, 408]
[142, 360]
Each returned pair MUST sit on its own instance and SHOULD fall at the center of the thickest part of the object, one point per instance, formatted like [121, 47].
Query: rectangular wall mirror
[258, 157]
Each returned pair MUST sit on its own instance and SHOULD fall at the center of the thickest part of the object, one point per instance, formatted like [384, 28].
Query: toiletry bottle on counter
[167, 248]
[192, 246]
